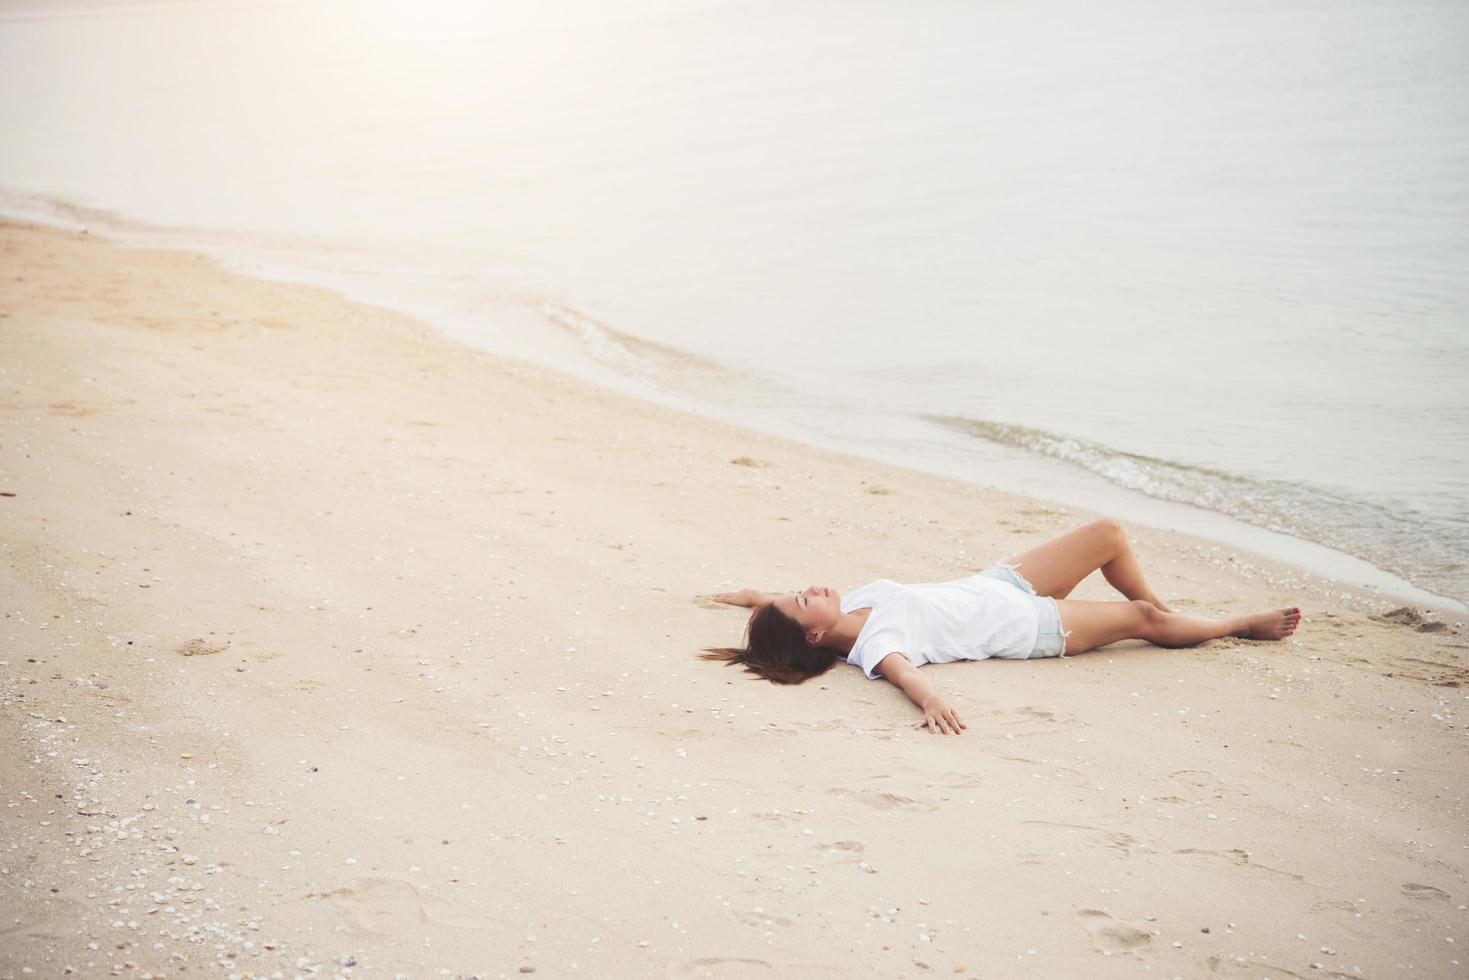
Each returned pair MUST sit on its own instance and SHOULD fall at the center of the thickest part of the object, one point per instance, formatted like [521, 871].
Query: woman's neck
[843, 636]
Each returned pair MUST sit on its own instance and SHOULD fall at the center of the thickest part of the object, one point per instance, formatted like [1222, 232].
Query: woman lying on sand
[889, 630]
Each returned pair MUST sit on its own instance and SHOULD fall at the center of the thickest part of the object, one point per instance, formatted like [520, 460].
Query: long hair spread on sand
[776, 649]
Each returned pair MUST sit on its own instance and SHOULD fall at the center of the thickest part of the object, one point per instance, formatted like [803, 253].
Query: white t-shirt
[971, 618]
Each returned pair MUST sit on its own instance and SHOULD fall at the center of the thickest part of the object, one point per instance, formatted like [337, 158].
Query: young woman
[889, 630]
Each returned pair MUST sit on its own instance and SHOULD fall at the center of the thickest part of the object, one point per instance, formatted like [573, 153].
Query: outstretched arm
[937, 714]
[746, 597]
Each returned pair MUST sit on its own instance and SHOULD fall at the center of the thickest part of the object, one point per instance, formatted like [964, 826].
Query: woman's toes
[1274, 625]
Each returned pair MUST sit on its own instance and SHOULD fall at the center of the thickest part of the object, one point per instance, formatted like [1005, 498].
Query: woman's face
[816, 610]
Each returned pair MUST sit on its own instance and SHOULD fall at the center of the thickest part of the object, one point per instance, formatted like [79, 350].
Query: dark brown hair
[776, 649]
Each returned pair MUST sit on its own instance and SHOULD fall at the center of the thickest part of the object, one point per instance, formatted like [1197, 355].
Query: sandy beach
[333, 648]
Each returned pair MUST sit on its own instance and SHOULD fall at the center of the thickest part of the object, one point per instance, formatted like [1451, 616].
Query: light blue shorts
[1050, 639]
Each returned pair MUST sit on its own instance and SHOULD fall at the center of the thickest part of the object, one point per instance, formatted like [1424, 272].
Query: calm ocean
[1205, 264]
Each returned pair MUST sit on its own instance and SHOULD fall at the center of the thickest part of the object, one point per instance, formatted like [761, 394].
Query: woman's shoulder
[870, 593]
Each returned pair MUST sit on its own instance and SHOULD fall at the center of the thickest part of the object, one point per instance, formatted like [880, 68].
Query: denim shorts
[1050, 639]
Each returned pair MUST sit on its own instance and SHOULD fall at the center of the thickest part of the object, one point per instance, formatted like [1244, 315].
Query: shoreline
[1061, 485]
[337, 647]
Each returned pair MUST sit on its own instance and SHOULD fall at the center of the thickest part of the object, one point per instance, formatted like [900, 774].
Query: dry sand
[331, 647]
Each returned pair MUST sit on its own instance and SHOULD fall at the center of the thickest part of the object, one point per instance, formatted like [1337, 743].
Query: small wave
[667, 368]
[59, 212]
[604, 344]
[1400, 541]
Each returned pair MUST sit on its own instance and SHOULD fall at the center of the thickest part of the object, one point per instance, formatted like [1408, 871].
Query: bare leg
[1095, 624]
[1056, 567]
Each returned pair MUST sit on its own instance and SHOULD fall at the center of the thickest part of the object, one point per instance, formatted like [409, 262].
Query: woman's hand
[749, 598]
[940, 718]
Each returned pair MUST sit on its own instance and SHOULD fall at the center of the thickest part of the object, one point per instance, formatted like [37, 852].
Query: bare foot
[1274, 625]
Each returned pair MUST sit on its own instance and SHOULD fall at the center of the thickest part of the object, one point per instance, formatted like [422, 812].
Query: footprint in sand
[783, 819]
[880, 801]
[1334, 905]
[762, 920]
[841, 851]
[1240, 857]
[1248, 969]
[1438, 672]
[1425, 892]
[1411, 618]
[969, 780]
[1195, 777]
[382, 905]
[1110, 935]
[200, 647]
[392, 905]
[1029, 720]
[1116, 841]
[70, 410]
[828, 725]
[720, 966]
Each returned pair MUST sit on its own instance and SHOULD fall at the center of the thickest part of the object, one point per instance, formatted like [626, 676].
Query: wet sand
[331, 647]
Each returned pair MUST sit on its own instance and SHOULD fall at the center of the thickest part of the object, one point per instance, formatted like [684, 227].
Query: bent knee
[1110, 528]
[1146, 613]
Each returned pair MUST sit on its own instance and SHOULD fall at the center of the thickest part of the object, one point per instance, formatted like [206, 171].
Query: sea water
[1202, 262]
